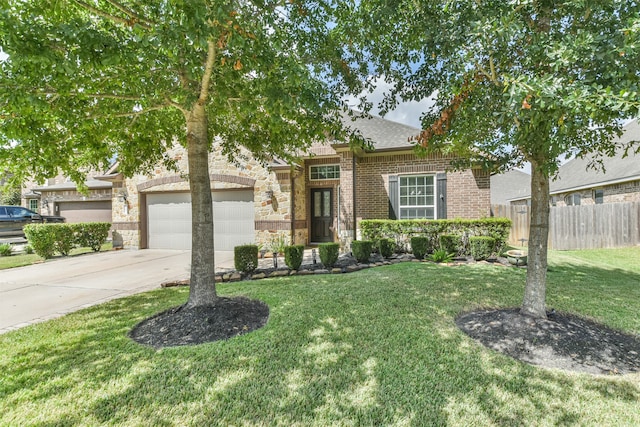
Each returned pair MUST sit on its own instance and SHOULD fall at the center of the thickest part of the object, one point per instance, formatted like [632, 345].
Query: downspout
[355, 219]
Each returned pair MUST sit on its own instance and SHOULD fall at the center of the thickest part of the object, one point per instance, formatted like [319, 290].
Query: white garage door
[169, 220]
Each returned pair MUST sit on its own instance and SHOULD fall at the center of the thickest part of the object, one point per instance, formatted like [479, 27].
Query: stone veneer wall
[304, 204]
[52, 198]
[468, 193]
[125, 214]
[273, 213]
[301, 231]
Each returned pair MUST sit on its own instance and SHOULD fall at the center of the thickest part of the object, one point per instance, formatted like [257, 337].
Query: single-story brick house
[578, 185]
[321, 199]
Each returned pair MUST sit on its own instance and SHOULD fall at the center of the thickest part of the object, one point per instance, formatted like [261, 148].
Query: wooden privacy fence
[611, 225]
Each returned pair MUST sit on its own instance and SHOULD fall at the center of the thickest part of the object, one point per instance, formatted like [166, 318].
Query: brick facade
[468, 192]
[275, 191]
[615, 193]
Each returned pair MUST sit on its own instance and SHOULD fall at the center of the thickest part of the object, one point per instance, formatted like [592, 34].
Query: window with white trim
[33, 205]
[417, 197]
[321, 172]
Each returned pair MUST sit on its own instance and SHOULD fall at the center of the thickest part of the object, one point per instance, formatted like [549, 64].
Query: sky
[407, 113]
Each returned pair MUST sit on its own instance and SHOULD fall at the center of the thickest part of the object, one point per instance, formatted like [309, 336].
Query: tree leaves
[104, 78]
[555, 77]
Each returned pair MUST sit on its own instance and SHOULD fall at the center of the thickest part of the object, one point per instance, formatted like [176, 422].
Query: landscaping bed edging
[346, 264]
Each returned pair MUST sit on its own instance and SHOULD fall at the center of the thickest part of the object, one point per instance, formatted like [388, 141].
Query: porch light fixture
[269, 193]
[122, 197]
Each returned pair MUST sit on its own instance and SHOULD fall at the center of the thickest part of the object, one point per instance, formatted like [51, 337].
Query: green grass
[376, 347]
[22, 259]
[18, 260]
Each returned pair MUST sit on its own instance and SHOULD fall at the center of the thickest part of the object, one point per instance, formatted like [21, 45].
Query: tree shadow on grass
[562, 341]
[379, 347]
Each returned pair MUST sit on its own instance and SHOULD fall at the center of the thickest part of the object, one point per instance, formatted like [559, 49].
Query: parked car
[13, 218]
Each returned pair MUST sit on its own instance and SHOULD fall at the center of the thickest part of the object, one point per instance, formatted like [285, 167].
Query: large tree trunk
[536, 287]
[202, 290]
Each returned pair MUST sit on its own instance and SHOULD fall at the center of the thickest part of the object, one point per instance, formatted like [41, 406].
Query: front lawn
[376, 347]
[22, 259]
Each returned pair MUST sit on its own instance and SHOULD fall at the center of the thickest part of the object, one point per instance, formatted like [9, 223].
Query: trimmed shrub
[386, 247]
[421, 246]
[6, 249]
[450, 243]
[362, 249]
[245, 258]
[41, 238]
[64, 238]
[328, 253]
[91, 234]
[481, 246]
[402, 230]
[293, 256]
[47, 239]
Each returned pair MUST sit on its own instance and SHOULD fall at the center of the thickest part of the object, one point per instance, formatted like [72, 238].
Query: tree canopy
[90, 80]
[505, 73]
[513, 81]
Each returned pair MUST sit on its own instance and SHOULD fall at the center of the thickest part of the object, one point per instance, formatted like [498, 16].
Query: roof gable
[574, 174]
[384, 134]
[511, 185]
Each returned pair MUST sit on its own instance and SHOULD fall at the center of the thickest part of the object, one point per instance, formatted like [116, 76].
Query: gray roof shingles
[511, 185]
[92, 184]
[384, 134]
[575, 175]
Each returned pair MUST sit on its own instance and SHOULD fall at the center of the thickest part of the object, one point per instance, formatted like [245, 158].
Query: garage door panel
[233, 218]
[169, 220]
[86, 211]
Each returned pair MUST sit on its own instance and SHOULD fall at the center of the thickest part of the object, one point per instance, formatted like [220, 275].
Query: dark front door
[321, 217]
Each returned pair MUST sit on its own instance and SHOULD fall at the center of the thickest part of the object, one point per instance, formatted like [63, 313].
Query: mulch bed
[184, 325]
[562, 341]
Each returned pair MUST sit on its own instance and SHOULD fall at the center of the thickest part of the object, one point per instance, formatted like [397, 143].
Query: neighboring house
[322, 199]
[60, 196]
[578, 185]
[513, 184]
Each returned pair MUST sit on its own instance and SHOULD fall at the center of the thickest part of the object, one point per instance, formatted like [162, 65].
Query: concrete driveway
[44, 291]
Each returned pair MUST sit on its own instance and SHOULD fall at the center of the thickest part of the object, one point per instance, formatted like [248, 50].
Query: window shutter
[394, 200]
[441, 179]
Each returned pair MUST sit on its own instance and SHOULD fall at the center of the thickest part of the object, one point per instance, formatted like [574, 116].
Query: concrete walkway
[51, 289]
